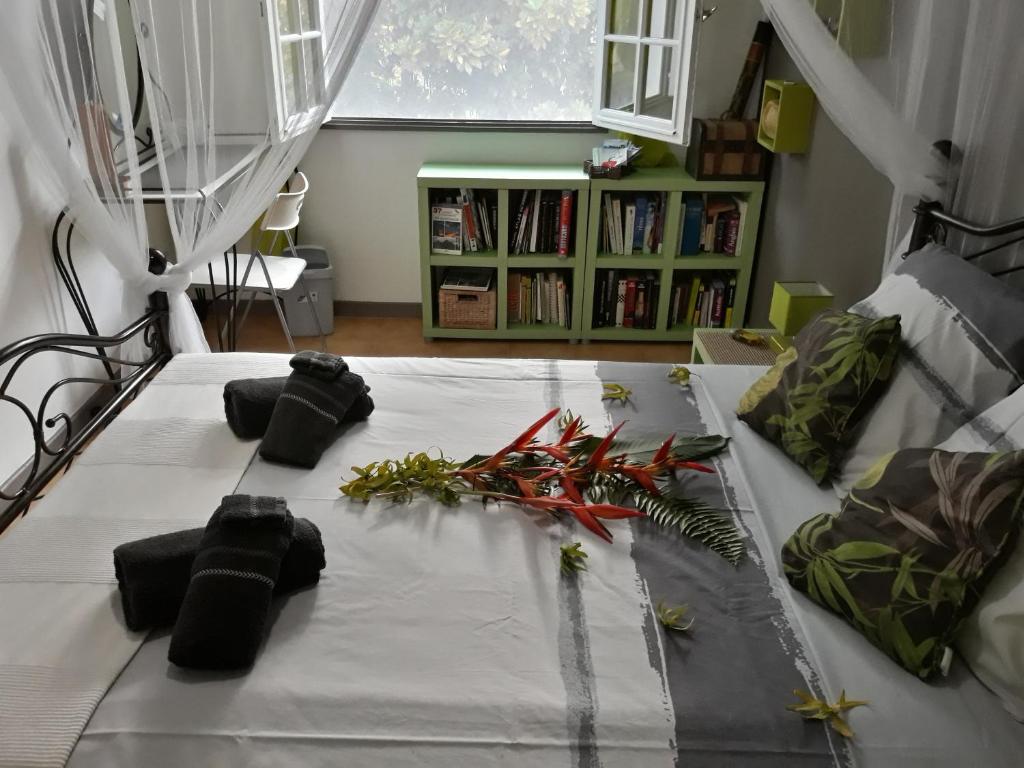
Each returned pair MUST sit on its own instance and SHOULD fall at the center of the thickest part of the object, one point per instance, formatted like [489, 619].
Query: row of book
[703, 301]
[543, 222]
[712, 224]
[539, 297]
[626, 299]
[632, 224]
[463, 224]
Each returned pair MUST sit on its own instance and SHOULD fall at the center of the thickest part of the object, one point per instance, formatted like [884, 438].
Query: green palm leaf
[692, 518]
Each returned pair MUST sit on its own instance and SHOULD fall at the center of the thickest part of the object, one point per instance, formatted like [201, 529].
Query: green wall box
[786, 112]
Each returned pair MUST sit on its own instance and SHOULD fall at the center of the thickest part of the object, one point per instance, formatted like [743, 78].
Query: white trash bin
[319, 279]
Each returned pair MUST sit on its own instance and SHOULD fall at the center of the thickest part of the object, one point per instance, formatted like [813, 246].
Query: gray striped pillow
[962, 351]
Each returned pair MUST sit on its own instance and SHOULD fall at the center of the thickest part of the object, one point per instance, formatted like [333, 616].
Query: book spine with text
[564, 222]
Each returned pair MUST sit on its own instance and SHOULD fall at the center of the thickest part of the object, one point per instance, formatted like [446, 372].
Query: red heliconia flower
[596, 459]
[521, 443]
[664, 452]
[642, 476]
[553, 451]
[590, 522]
[696, 466]
[571, 490]
[544, 502]
[572, 431]
[613, 511]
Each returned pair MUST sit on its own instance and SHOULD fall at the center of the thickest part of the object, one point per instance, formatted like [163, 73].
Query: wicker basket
[468, 309]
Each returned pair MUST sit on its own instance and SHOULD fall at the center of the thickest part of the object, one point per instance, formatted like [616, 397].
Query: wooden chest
[725, 150]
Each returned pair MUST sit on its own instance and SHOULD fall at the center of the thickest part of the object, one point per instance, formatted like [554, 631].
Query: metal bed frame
[932, 223]
[56, 442]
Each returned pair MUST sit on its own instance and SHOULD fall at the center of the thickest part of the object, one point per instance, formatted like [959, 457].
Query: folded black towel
[249, 404]
[222, 619]
[153, 573]
[318, 394]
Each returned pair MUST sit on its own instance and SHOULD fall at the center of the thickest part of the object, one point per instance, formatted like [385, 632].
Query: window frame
[289, 124]
[683, 41]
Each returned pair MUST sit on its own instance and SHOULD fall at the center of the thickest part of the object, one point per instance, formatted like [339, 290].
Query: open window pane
[661, 19]
[659, 89]
[314, 63]
[620, 76]
[286, 21]
[307, 16]
[291, 78]
[624, 17]
[477, 60]
[657, 60]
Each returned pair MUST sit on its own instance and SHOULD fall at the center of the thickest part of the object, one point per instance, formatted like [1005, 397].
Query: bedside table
[715, 346]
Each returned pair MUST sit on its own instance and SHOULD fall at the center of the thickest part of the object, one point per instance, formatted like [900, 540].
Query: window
[475, 60]
[295, 61]
[645, 67]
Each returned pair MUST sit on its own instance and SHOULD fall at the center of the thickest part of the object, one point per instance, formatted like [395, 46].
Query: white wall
[825, 216]
[32, 303]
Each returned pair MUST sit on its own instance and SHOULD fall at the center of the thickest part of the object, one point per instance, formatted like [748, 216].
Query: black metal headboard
[931, 224]
[56, 441]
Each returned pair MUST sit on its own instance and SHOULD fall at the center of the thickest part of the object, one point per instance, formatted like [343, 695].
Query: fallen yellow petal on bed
[680, 374]
[812, 708]
[616, 392]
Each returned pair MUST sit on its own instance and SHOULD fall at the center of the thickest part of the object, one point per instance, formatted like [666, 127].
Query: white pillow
[962, 351]
[991, 639]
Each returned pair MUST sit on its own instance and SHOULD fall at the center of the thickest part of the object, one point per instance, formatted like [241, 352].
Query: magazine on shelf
[467, 279]
[446, 229]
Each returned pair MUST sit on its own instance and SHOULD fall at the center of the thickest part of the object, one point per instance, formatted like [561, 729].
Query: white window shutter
[644, 68]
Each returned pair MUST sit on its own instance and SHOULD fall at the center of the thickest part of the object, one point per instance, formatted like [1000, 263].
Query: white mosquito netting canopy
[200, 107]
[897, 76]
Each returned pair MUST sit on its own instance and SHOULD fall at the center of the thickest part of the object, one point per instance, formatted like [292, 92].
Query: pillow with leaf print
[811, 401]
[914, 545]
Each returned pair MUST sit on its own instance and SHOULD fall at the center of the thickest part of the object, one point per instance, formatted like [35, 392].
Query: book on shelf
[564, 222]
[446, 228]
[712, 224]
[543, 222]
[467, 279]
[538, 297]
[626, 299]
[632, 224]
[703, 300]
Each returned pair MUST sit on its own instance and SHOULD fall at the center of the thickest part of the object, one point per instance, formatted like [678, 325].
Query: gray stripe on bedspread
[575, 661]
[73, 550]
[731, 676]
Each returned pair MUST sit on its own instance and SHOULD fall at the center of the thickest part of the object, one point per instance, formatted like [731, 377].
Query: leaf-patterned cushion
[916, 541]
[811, 401]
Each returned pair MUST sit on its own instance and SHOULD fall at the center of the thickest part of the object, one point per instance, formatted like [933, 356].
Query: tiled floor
[403, 337]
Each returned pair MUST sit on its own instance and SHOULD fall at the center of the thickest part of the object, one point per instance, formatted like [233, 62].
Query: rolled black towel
[318, 394]
[249, 404]
[153, 573]
[223, 617]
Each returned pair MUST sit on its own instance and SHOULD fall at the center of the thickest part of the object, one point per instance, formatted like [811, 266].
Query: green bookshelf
[585, 260]
[668, 265]
[436, 180]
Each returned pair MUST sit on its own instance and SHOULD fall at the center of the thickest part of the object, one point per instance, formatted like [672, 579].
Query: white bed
[439, 637]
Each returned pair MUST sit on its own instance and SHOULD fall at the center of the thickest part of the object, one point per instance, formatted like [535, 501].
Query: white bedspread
[348, 669]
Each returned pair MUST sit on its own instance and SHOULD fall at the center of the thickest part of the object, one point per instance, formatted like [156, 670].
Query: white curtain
[896, 76]
[234, 92]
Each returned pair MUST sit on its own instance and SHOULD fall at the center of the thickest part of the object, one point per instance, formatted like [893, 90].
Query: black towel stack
[222, 619]
[153, 573]
[316, 398]
[215, 584]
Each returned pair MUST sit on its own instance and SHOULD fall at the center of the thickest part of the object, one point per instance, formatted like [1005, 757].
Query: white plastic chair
[279, 273]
